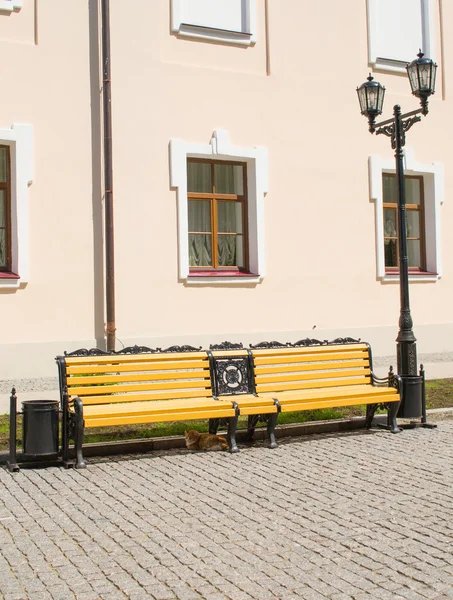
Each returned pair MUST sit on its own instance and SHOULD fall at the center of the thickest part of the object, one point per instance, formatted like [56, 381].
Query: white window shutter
[222, 20]
[397, 30]
[218, 14]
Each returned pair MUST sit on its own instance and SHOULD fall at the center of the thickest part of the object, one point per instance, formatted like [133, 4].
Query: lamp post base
[416, 424]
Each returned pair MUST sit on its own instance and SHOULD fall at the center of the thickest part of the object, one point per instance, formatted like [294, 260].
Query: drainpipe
[108, 179]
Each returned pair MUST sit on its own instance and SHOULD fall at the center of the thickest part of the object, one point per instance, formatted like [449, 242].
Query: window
[5, 209]
[425, 190]
[217, 215]
[397, 29]
[10, 5]
[221, 20]
[220, 200]
[414, 222]
[16, 174]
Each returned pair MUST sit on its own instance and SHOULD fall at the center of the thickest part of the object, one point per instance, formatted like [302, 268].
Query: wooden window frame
[6, 185]
[414, 207]
[214, 197]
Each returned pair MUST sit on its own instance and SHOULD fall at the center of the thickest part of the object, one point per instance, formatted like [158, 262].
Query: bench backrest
[286, 369]
[138, 377]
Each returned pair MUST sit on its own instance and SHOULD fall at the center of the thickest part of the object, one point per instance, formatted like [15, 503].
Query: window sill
[222, 277]
[392, 66]
[9, 280]
[215, 34]
[413, 276]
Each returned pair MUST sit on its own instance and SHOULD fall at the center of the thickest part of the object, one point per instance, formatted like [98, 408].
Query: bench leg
[392, 411]
[213, 425]
[370, 410]
[80, 463]
[252, 422]
[65, 427]
[271, 423]
[231, 435]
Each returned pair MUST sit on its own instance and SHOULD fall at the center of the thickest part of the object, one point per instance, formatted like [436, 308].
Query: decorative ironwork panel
[181, 349]
[137, 350]
[226, 346]
[267, 345]
[346, 340]
[232, 375]
[309, 342]
[86, 352]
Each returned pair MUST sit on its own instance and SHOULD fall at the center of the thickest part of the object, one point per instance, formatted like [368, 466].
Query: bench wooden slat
[127, 358]
[257, 409]
[161, 417]
[303, 377]
[345, 392]
[253, 405]
[263, 370]
[275, 387]
[137, 366]
[144, 396]
[121, 389]
[332, 403]
[168, 406]
[101, 380]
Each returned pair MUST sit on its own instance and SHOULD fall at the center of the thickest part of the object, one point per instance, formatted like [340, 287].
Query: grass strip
[439, 394]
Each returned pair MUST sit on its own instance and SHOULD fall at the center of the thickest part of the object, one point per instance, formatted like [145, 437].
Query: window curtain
[2, 229]
[200, 244]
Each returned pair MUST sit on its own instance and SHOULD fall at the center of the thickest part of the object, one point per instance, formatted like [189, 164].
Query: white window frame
[20, 141]
[389, 63]
[10, 5]
[256, 162]
[220, 35]
[434, 195]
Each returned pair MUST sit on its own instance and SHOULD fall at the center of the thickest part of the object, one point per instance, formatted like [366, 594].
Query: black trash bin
[411, 404]
[40, 427]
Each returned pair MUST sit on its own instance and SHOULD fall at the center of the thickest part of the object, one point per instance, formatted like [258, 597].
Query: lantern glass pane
[380, 99]
[372, 97]
[424, 73]
[412, 72]
[433, 77]
[362, 99]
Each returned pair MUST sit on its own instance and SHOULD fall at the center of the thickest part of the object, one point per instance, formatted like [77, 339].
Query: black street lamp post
[422, 76]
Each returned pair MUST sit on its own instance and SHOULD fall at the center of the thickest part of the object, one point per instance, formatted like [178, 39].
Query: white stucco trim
[220, 148]
[434, 195]
[202, 32]
[386, 63]
[20, 140]
[10, 5]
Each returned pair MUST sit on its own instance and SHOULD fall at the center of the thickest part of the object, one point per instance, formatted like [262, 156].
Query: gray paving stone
[362, 515]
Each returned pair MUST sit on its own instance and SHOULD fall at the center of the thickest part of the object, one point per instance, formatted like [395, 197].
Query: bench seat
[310, 399]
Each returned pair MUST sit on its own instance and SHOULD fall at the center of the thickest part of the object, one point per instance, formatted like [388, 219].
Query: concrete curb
[141, 446]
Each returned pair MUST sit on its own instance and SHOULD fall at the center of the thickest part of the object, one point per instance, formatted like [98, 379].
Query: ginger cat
[204, 441]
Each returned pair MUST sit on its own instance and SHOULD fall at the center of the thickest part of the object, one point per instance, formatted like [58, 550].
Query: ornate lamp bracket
[405, 125]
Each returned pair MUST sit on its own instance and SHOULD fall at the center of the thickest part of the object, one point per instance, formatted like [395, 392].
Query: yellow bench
[132, 386]
[310, 375]
[140, 385]
[307, 375]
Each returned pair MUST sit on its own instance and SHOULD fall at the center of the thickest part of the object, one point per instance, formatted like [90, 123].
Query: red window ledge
[225, 273]
[412, 272]
[9, 276]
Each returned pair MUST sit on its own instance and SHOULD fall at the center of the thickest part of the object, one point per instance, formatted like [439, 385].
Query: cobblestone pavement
[363, 515]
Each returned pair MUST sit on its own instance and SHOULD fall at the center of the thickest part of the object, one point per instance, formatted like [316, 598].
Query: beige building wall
[292, 92]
